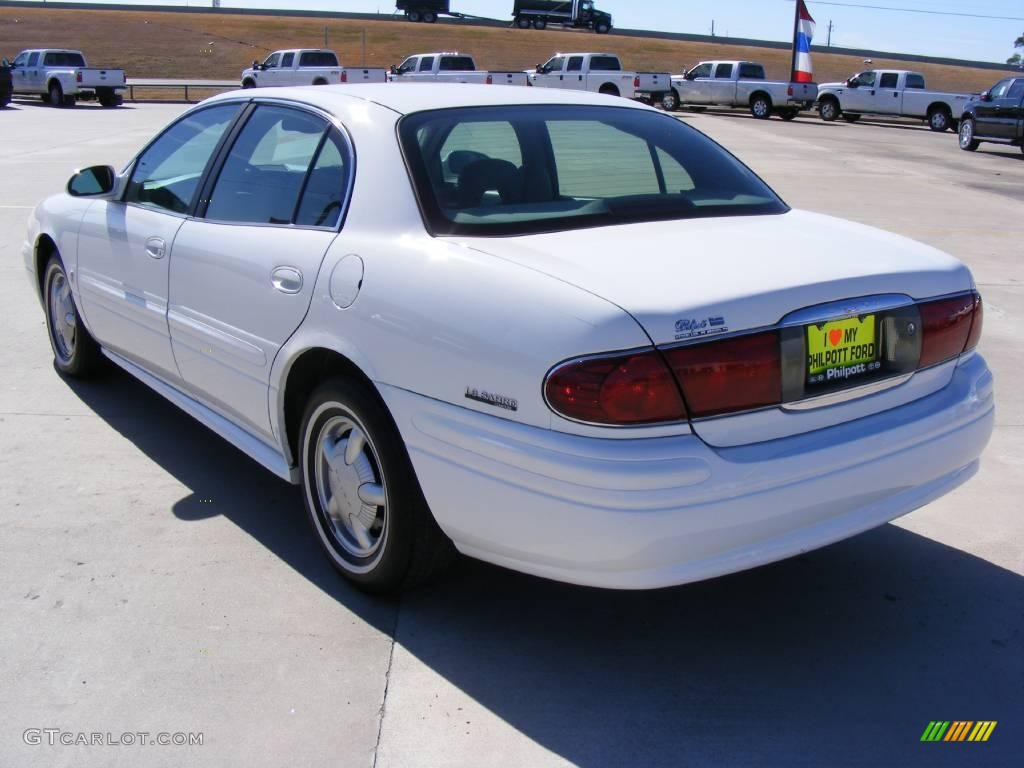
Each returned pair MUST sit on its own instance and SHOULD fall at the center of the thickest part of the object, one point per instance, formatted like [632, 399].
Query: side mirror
[541, 69]
[853, 82]
[6, 63]
[255, 64]
[986, 96]
[691, 75]
[97, 180]
[394, 70]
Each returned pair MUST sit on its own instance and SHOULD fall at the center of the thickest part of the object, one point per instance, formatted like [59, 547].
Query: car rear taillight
[636, 81]
[947, 327]
[976, 322]
[78, 77]
[344, 77]
[635, 388]
[490, 79]
[735, 374]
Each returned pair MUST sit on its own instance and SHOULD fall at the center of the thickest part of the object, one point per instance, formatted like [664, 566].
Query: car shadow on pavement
[838, 657]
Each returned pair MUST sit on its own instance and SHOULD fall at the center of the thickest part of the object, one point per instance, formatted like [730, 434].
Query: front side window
[266, 168]
[723, 72]
[701, 70]
[1000, 88]
[605, 64]
[865, 79]
[554, 64]
[496, 171]
[409, 65]
[167, 174]
[427, 64]
[20, 60]
[318, 59]
[914, 81]
[889, 80]
[273, 61]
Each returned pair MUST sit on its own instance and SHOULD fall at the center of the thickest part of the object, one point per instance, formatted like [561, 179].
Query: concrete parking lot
[154, 579]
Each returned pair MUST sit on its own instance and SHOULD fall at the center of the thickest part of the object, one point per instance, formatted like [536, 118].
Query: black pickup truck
[996, 116]
[5, 83]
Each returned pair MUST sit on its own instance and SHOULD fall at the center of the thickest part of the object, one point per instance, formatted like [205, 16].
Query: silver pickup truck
[739, 84]
[61, 77]
[892, 92]
[450, 67]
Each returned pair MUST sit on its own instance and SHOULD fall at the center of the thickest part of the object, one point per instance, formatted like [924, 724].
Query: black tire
[939, 120]
[408, 546]
[110, 100]
[965, 136]
[602, 29]
[609, 90]
[850, 118]
[540, 24]
[248, 83]
[413, 16]
[789, 114]
[523, 23]
[5, 99]
[56, 95]
[670, 101]
[429, 17]
[75, 352]
[319, 81]
[829, 110]
[761, 106]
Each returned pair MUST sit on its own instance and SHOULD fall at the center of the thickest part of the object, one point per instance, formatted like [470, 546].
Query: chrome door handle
[286, 279]
[156, 248]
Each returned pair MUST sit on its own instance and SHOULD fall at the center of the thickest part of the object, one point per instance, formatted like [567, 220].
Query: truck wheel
[57, 95]
[967, 141]
[522, 22]
[248, 83]
[670, 101]
[609, 90]
[429, 17]
[789, 114]
[111, 102]
[602, 29]
[413, 16]
[539, 24]
[829, 110]
[850, 118]
[761, 106]
[939, 120]
[319, 81]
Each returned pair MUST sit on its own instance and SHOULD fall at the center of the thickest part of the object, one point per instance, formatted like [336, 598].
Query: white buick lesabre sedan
[560, 332]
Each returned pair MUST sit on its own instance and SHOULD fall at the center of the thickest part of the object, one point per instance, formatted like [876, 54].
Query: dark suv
[997, 116]
[5, 83]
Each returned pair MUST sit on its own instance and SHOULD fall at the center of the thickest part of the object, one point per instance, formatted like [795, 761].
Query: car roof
[409, 98]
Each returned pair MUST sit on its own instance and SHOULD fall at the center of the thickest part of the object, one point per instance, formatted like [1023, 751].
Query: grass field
[183, 45]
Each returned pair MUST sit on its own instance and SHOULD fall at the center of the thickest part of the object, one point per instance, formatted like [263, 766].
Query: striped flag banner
[803, 34]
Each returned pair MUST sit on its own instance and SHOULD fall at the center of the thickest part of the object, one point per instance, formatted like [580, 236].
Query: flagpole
[796, 31]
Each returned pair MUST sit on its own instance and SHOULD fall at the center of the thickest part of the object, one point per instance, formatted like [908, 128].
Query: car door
[1016, 119]
[425, 70]
[287, 74]
[551, 74]
[33, 78]
[986, 113]
[887, 99]
[124, 245]
[573, 76]
[700, 78]
[862, 97]
[723, 87]
[271, 74]
[243, 271]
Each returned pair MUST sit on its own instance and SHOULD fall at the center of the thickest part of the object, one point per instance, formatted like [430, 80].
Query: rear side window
[456, 64]
[317, 59]
[1016, 90]
[33, 60]
[265, 171]
[751, 72]
[723, 71]
[323, 200]
[605, 64]
[913, 81]
[288, 60]
[427, 64]
[575, 64]
[168, 172]
[889, 80]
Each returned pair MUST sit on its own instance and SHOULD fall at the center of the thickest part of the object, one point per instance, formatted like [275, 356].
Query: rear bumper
[638, 514]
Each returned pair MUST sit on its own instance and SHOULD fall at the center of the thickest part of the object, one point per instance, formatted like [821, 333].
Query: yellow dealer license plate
[841, 349]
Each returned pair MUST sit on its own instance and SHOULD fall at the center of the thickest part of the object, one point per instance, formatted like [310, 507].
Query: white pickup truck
[450, 67]
[890, 92]
[600, 73]
[307, 66]
[739, 84]
[62, 77]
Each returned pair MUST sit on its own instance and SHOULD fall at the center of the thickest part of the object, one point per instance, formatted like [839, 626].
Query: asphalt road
[154, 579]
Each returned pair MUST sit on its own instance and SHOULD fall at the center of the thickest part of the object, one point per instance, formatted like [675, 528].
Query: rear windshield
[63, 59]
[318, 59]
[496, 171]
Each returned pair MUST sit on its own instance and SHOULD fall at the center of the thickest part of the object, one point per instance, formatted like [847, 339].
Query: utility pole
[712, 27]
[828, 44]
